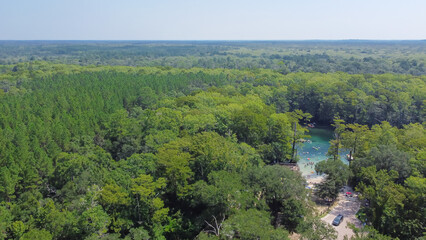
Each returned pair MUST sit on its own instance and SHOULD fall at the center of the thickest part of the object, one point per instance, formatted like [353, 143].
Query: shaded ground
[348, 207]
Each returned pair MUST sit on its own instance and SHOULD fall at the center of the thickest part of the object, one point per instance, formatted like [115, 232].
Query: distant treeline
[374, 57]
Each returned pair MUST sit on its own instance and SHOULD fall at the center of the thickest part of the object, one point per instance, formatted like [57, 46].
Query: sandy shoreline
[312, 181]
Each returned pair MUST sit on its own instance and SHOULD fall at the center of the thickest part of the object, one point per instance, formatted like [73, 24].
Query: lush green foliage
[105, 152]
[162, 153]
[388, 169]
[363, 99]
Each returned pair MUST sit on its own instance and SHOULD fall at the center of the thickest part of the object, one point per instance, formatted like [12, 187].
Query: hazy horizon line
[218, 40]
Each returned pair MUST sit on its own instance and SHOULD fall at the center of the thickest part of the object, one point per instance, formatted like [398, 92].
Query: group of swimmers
[312, 164]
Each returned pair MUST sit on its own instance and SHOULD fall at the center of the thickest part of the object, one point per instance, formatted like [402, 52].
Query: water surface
[315, 150]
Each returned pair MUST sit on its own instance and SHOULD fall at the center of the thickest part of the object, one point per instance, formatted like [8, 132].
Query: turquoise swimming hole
[315, 150]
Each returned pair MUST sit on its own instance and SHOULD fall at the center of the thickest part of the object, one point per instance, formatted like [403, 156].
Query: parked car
[337, 220]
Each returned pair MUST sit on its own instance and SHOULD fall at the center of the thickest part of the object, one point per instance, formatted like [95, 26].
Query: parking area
[348, 207]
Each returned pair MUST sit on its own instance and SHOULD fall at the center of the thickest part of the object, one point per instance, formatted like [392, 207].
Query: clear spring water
[315, 150]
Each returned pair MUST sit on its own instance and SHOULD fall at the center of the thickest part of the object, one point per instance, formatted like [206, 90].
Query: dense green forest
[125, 152]
[351, 56]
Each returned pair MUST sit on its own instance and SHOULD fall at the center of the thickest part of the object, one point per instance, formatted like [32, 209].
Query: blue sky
[211, 19]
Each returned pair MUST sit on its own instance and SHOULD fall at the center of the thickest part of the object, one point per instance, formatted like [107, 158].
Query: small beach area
[314, 181]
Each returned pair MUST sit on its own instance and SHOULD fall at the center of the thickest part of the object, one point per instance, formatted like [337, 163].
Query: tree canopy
[109, 152]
